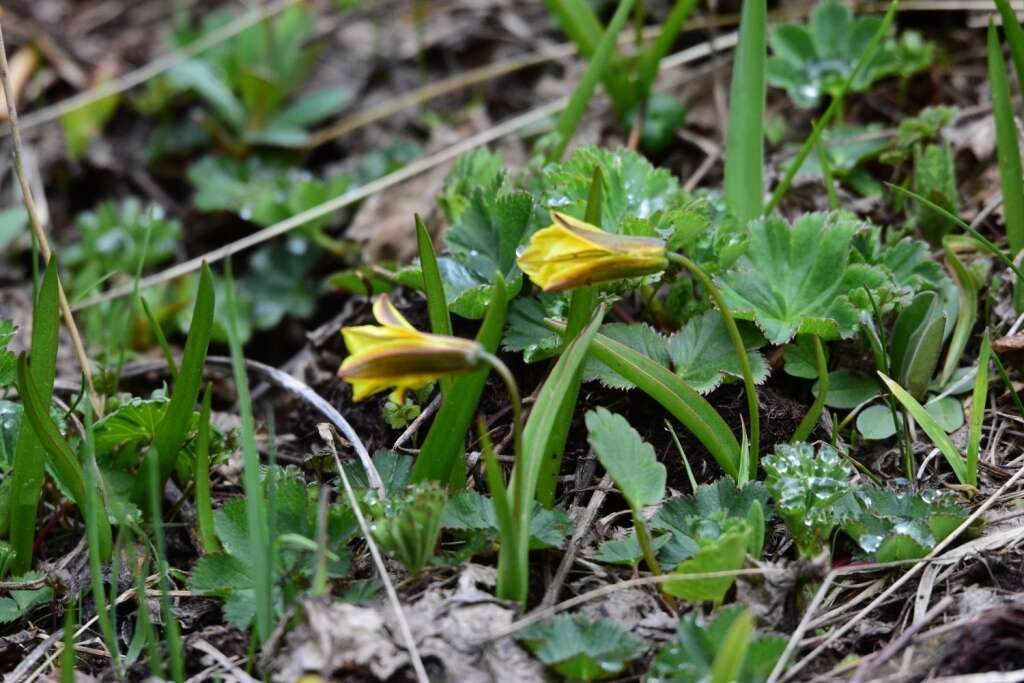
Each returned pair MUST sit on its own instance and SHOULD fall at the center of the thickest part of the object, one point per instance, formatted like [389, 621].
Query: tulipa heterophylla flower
[393, 353]
[572, 253]
[396, 354]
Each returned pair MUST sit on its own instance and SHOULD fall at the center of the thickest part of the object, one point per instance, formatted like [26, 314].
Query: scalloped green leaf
[794, 280]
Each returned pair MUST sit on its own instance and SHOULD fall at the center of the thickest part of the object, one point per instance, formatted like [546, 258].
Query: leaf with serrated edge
[628, 459]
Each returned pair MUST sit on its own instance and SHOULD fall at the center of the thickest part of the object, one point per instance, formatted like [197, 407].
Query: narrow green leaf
[535, 441]
[1014, 36]
[581, 25]
[676, 396]
[570, 118]
[744, 142]
[932, 428]
[204, 501]
[174, 427]
[433, 287]
[62, 459]
[29, 471]
[255, 502]
[978, 398]
[733, 652]
[582, 303]
[442, 450]
[1008, 150]
[647, 72]
[967, 313]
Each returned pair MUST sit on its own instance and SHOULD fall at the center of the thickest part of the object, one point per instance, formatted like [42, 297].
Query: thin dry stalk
[37, 226]
[403, 624]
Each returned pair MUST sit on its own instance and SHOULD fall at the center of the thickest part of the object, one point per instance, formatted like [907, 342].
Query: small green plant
[249, 85]
[812, 493]
[902, 525]
[720, 649]
[582, 650]
[815, 59]
[230, 574]
[408, 526]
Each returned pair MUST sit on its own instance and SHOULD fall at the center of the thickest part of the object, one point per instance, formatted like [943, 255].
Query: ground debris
[452, 629]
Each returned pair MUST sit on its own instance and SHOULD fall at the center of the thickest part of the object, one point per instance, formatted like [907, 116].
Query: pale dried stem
[37, 227]
[328, 435]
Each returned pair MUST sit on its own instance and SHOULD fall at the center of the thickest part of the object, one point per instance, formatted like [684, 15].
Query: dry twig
[403, 624]
[37, 226]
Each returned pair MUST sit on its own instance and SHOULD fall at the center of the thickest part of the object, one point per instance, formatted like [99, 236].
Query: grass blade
[570, 118]
[931, 428]
[583, 28]
[433, 287]
[29, 470]
[502, 506]
[1014, 37]
[981, 239]
[161, 340]
[647, 72]
[967, 314]
[255, 502]
[744, 142]
[442, 450]
[172, 631]
[174, 427]
[1011, 177]
[978, 398]
[97, 532]
[204, 501]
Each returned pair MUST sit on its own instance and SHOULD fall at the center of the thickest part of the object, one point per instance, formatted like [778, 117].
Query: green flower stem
[513, 566]
[803, 430]
[753, 410]
[644, 538]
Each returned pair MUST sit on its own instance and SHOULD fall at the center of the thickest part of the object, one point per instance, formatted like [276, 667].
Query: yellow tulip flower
[572, 253]
[396, 354]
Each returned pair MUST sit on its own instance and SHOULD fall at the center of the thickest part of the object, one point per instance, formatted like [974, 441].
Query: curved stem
[513, 394]
[741, 353]
[803, 430]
